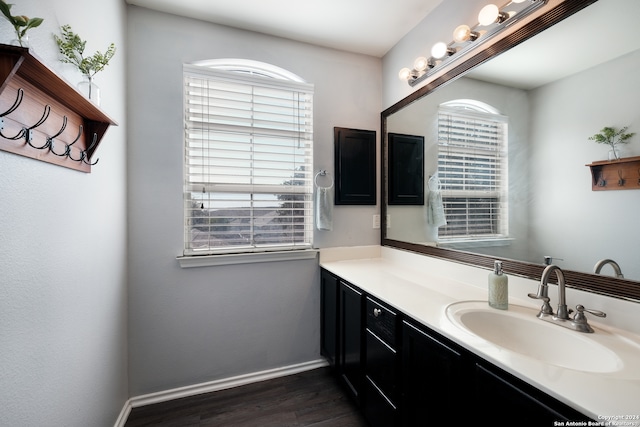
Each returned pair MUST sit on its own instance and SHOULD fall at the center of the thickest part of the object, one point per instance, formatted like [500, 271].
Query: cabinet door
[329, 317]
[355, 166]
[350, 344]
[433, 380]
[496, 390]
[381, 382]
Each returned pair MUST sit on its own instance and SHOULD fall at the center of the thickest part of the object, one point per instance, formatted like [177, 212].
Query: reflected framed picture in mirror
[406, 169]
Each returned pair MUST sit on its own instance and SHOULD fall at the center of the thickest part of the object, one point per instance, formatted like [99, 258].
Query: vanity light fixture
[491, 21]
[441, 50]
[422, 64]
[491, 14]
[406, 74]
[463, 33]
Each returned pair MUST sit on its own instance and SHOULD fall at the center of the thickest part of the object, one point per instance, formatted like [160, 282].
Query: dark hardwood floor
[311, 398]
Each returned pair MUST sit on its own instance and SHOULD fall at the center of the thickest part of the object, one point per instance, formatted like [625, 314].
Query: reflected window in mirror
[472, 173]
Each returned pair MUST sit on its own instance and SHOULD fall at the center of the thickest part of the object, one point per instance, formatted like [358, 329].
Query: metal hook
[620, 180]
[77, 137]
[84, 153]
[28, 132]
[20, 134]
[93, 142]
[16, 103]
[64, 126]
[68, 149]
[51, 138]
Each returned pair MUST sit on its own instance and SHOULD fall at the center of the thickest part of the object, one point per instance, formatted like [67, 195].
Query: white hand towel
[435, 209]
[324, 208]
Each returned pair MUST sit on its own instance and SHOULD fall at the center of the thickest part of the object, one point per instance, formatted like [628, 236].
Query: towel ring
[322, 173]
[434, 180]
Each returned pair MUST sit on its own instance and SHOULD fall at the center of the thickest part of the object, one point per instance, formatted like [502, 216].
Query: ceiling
[370, 27]
[592, 36]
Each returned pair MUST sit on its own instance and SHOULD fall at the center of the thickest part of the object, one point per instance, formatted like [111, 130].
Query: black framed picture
[355, 166]
[406, 169]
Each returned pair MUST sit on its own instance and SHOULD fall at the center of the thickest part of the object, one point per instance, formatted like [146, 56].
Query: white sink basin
[519, 330]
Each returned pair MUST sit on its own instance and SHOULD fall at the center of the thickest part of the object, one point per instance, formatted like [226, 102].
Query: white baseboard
[124, 414]
[193, 390]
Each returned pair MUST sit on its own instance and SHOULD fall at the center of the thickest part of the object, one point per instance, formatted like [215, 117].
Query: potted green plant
[72, 48]
[21, 24]
[612, 137]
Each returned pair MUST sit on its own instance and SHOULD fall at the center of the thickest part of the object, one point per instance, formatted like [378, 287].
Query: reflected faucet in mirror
[603, 262]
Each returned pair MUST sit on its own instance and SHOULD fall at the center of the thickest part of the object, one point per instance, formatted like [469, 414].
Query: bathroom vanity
[389, 331]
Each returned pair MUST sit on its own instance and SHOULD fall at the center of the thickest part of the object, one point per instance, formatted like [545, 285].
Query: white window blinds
[248, 163]
[472, 168]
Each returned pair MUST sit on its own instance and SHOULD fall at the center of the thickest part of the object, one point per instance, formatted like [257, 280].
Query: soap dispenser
[498, 287]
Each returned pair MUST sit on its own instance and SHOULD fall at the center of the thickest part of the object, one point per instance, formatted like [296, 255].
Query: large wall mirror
[550, 85]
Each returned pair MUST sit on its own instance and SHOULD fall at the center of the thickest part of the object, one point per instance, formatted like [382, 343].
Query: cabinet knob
[377, 312]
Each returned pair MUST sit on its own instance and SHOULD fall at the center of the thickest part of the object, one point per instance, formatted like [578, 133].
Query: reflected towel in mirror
[435, 209]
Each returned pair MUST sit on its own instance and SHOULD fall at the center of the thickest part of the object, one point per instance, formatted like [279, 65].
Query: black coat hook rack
[44, 117]
[27, 133]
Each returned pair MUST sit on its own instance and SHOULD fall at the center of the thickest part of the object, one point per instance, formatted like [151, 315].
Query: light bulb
[404, 74]
[421, 63]
[462, 33]
[488, 15]
[440, 50]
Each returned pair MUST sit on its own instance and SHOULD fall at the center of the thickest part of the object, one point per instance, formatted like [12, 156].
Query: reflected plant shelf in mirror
[622, 174]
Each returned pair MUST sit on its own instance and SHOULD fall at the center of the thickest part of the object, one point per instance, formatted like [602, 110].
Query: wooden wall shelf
[623, 174]
[44, 117]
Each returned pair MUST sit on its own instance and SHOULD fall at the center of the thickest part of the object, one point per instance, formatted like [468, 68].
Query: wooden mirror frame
[598, 284]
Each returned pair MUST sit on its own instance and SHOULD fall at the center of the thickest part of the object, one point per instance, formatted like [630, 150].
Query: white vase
[90, 89]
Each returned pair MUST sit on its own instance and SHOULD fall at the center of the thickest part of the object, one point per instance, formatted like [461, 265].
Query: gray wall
[564, 115]
[63, 317]
[437, 26]
[188, 326]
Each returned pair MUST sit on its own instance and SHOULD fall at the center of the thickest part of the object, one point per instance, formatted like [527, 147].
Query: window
[472, 169]
[248, 159]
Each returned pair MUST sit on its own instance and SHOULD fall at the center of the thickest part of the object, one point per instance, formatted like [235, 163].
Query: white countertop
[422, 288]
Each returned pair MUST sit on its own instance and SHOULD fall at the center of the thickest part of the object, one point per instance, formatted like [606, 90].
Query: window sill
[244, 258]
[479, 243]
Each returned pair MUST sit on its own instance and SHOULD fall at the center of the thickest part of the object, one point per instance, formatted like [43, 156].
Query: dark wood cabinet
[382, 368]
[355, 166]
[329, 317]
[402, 373]
[495, 389]
[434, 381]
[350, 339]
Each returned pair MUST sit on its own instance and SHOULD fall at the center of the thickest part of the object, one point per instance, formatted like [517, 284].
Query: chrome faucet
[603, 262]
[579, 322]
[543, 293]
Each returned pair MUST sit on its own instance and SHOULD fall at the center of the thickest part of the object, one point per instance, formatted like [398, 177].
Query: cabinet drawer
[382, 365]
[381, 321]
